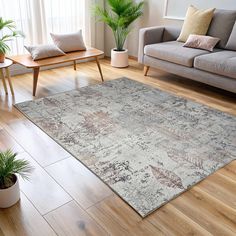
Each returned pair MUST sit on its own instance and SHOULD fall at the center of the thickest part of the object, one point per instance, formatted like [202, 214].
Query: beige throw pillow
[201, 42]
[69, 42]
[44, 51]
[196, 22]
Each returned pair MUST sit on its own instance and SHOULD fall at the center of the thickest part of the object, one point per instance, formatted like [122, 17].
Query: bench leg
[35, 81]
[74, 65]
[146, 69]
[99, 68]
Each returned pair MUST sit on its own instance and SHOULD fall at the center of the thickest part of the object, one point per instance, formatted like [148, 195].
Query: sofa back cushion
[222, 25]
[231, 44]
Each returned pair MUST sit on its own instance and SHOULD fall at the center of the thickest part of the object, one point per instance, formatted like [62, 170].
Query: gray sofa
[158, 48]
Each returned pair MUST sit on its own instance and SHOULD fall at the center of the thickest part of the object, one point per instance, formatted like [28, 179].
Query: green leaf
[119, 17]
[4, 48]
[18, 33]
[9, 24]
[9, 166]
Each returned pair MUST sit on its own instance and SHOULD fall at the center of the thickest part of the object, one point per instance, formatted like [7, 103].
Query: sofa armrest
[153, 35]
[147, 36]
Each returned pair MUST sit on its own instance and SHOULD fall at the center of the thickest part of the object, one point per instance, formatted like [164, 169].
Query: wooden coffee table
[27, 61]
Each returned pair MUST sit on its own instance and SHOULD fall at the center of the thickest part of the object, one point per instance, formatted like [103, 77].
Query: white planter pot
[10, 196]
[119, 58]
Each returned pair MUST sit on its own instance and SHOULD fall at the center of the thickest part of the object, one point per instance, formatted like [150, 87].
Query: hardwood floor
[65, 198]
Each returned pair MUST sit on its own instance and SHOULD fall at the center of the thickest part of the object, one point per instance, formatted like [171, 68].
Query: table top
[6, 63]
[27, 61]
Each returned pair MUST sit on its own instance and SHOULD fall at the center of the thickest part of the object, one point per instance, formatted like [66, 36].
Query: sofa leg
[146, 69]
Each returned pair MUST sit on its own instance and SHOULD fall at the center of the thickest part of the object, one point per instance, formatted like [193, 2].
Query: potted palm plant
[120, 15]
[12, 33]
[9, 183]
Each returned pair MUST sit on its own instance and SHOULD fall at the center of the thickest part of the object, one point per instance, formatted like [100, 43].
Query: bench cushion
[38, 52]
[69, 42]
[173, 52]
[221, 63]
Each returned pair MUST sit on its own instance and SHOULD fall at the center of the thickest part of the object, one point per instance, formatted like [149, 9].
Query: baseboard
[130, 57]
[133, 58]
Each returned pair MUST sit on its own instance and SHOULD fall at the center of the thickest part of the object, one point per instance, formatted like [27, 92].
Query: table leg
[3, 81]
[9, 80]
[35, 81]
[99, 68]
[74, 65]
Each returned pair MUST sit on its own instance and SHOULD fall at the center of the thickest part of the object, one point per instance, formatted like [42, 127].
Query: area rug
[146, 145]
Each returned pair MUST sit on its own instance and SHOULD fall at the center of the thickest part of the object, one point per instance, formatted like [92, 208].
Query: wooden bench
[27, 61]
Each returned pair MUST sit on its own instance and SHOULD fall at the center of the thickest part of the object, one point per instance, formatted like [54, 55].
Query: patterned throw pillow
[201, 42]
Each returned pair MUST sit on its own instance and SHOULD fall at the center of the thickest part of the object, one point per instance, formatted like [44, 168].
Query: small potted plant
[9, 183]
[13, 33]
[118, 17]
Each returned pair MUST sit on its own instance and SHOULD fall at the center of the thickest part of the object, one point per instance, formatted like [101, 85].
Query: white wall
[176, 11]
[153, 16]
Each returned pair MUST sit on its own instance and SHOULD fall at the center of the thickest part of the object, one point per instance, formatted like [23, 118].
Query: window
[37, 18]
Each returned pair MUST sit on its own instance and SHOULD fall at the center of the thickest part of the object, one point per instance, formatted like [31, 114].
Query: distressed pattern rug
[145, 144]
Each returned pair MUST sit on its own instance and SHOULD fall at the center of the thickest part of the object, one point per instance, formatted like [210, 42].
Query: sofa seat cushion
[220, 63]
[174, 52]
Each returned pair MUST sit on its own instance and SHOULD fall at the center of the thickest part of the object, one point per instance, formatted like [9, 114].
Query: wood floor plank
[23, 220]
[79, 182]
[7, 142]
[173, 222]
[42, 190]
[40, 146]
[108, 223]
[117, 217]
[215, 217]
[71, 220]
[229, 171]
[221, 187]
[8, 115]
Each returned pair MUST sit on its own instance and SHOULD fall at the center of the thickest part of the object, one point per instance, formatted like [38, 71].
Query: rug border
[149, 213]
